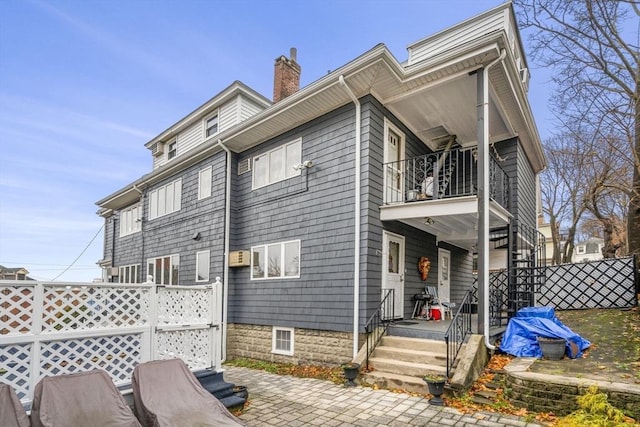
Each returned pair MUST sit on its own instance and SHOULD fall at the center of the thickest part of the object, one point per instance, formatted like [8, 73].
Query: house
[588, 250]
[14, 273]
[314, 206]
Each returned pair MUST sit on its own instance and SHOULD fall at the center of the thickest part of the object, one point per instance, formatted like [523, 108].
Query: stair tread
[427, 366]
[414, 352]
[401, 377]
[488, 394]
[482, 400]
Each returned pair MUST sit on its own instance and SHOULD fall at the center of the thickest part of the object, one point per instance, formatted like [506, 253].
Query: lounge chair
[12, 414]
[167, 394]
[80, 400]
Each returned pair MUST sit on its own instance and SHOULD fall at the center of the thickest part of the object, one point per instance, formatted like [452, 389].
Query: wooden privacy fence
[57, 328]
[608, 283]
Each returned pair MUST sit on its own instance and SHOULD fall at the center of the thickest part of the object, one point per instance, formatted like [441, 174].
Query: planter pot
[350, 373]
[552, 348]
[435, 384]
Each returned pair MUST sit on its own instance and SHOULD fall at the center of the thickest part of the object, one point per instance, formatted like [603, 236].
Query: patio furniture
[167, 394]
[421, 305]
[12, 414]
[438, 303]
[83, 399]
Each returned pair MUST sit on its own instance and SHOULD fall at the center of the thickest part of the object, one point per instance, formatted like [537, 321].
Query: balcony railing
[442, 175]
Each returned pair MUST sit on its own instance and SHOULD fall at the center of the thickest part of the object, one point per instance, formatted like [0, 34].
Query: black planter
[350, 373]
[435, 384]
[552, 348]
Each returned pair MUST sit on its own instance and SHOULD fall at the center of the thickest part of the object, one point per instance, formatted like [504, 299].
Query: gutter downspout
[142, 203]
[356, 204]
[225, 272]
[483, 194]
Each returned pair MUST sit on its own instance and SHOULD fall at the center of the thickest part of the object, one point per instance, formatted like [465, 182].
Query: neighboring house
[545, 230]
[588, 250]
[16, 273]
[314, 205]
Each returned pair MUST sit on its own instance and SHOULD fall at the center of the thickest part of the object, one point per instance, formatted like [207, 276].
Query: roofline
[224, 95]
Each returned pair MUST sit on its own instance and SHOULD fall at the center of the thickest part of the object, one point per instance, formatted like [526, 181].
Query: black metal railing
[458, 330]
[378, 322]
[440, 175]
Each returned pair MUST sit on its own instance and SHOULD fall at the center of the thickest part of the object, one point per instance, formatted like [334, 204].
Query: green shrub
[595, 411]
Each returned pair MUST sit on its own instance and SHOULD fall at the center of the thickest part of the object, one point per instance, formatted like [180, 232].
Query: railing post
[36, 330]
[148, 351]
[216, 310]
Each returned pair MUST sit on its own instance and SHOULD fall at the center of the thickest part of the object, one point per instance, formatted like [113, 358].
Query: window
[204, 183]
[130, 220]
[211, 126]
[282, 341]
[580, 249]
[276, 260]
[164, 269]
[129, 274]
[165, 200]
[202, 266]
[277, 165]
[172, 150]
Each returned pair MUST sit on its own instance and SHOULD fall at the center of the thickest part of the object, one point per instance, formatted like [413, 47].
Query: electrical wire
[81, 253]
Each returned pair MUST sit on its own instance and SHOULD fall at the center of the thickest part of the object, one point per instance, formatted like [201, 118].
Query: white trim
[173, 141]
[209, 170]
[289, 171]
[176, 199]
[265, 271]
[122, 273]
[390, 127]
[174, 259]
[291, 341]
[388, 236]
[208, 257]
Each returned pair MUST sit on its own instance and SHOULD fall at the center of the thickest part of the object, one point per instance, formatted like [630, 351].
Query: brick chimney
[286, 76]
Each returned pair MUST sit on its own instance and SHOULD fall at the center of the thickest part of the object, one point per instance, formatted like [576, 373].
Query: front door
[444, 274]
[393, 272]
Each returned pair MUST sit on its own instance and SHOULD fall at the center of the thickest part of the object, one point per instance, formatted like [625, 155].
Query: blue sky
[84, 84]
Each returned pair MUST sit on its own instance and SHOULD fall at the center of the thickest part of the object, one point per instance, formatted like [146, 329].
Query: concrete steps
[401, 362]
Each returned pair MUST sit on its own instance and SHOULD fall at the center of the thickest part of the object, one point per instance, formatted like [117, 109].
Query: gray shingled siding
[173, 233]
[523, 181]
[315, 207]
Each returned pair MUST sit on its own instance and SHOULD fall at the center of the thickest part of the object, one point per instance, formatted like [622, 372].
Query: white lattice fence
[51, 328]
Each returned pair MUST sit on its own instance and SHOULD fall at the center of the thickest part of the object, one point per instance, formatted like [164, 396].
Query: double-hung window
[277, 164]
[164, 269]
[166, 199]
[276, 260]
[211, 125]
[130, 220]
[172, 149]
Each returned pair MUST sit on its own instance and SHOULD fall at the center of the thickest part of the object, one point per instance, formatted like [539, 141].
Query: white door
[393, 156]
[393, 271]
[444, 274]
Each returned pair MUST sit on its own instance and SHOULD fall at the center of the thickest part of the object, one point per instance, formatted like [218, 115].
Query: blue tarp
[523, 330]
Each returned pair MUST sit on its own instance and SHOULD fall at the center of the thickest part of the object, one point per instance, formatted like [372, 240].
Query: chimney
[286, 76]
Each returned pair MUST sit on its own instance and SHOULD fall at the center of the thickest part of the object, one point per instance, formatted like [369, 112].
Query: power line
[81, 253]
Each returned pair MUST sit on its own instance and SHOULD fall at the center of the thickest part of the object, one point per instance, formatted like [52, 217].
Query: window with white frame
[172, 149]
[581, 249]
[282, 341]
[276, 260]
[202, 266]
[165, 200]
[277, 164]
[211, 125]
[204, 183]
[164, 269]
[130, 220]
[129, 273]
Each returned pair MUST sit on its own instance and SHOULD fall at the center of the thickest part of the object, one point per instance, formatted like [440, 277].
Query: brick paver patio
[281, 400]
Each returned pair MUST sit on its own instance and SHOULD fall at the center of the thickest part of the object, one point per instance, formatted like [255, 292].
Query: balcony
[437, 192]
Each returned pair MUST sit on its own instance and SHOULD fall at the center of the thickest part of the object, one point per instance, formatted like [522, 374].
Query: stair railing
[377, 325]
[458, 330]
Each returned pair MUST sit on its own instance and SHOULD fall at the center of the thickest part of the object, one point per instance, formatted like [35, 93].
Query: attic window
[172, 150]
[211, 126]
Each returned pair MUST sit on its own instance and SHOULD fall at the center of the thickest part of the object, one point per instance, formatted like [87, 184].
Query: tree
[592, 47]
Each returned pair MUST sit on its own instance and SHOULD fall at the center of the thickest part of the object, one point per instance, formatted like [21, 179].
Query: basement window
[282, 342]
